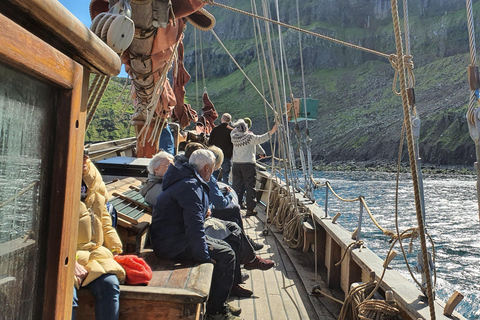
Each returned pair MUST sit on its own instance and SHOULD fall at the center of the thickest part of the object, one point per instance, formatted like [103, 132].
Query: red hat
[137, 270]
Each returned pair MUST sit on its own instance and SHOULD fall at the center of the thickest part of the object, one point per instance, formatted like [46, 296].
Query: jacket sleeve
[193, 215]
[97, 197]
[260, 139]
[216, 196]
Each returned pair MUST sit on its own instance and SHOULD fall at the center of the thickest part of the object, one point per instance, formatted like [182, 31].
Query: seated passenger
[232, 234]
[180, 159]
[97, 244]
[157, 167]
[178, 233]
[222, 205]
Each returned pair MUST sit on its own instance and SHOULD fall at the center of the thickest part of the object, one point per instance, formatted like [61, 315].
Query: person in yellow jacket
[97, 244]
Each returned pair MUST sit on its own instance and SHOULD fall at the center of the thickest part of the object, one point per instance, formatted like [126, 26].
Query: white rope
[241, 70]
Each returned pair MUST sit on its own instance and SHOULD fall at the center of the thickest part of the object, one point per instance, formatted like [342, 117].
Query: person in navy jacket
[177, 229]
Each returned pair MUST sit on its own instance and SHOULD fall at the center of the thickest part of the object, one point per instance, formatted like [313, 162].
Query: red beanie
[137, 270]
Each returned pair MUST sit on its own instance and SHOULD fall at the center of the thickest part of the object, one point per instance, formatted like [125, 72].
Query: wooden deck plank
[275, 292]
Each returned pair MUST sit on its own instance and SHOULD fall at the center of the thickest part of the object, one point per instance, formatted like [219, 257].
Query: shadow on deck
[283, 291]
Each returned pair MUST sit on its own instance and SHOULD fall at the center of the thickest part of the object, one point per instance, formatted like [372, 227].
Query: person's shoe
[234, 310]
[243, 206]
[245, 276]
[256, 246]
[239, 291]
[259, 263]
[223, 316]
[251, 213]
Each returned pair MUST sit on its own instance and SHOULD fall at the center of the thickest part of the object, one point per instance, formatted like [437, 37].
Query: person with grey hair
[177, 230]
[157, 167]
[220, 137]
[243, 168]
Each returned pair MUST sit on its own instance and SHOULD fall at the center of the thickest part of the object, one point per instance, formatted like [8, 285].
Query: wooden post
[332, 256]
[452, 303]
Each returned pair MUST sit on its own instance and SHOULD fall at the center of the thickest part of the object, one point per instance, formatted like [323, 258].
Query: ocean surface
[451, 216]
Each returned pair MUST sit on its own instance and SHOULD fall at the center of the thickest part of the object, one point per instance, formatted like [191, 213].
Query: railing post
[326, 199]
[360, 217]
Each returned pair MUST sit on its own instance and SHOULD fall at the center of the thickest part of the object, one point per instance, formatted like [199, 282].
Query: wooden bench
[175, 292]
[134, 214]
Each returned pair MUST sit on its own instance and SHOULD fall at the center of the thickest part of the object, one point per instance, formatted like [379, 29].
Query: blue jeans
[227, 163]
[106, 291]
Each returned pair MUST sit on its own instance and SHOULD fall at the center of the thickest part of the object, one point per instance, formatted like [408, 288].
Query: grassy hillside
[111, 121]
[359, 117]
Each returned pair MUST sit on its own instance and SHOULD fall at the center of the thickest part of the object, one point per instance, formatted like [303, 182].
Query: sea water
[451, 218]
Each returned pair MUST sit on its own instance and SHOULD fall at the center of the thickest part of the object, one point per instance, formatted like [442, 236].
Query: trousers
[106, 292]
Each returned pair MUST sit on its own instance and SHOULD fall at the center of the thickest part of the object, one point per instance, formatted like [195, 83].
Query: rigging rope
[241, 70]
[413, 163]
[94, 99]
[19, 194]
[473, 104]
[318, 35]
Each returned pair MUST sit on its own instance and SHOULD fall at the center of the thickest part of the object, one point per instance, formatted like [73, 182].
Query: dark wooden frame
[25, 52]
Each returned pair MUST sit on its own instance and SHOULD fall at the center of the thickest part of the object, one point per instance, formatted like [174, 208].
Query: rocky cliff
[359, 117]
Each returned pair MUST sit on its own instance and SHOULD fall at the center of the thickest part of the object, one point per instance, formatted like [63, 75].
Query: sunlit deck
[280, 293]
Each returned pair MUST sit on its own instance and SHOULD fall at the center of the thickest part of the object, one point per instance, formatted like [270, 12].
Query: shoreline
[385, 166]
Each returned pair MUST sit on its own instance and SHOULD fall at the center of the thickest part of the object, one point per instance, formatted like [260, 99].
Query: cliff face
[359, 117]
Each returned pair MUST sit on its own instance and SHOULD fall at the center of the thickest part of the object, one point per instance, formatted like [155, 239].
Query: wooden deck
[282, 292]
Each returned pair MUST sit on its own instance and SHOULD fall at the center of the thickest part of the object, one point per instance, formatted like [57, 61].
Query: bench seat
[176, 291]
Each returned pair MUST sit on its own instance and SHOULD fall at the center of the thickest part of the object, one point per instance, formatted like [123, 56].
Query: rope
[241, 70]
[413, 164]
[472, 104]
[377, 309]
[256, 26]
[96, 97]
[318, 35]
[18, 194]
[196, 69]
[157, 92]
[356, 244]
[201, 60]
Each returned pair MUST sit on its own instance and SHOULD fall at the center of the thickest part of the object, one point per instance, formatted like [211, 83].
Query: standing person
[167, 141]
[220, 137]
[178, 233]
[97, 244]
[243, 169]
[259, 152]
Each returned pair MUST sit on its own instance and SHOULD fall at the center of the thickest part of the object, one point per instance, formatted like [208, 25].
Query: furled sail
[157, 44]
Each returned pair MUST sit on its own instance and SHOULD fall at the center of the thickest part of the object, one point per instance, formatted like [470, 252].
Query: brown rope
[411, 152]
[318, 35]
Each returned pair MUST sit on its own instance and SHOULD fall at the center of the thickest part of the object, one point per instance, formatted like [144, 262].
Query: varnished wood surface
[20, 49]
[67, 32]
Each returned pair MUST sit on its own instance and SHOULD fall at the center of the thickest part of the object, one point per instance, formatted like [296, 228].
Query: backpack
[113, 214]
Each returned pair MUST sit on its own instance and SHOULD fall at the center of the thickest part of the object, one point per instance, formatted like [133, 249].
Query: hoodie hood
[240, 138]
[150, 183]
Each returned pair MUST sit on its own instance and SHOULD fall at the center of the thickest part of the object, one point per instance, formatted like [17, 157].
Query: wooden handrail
[76, 40]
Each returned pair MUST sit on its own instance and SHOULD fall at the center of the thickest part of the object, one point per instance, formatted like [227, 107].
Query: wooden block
[452, 303]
